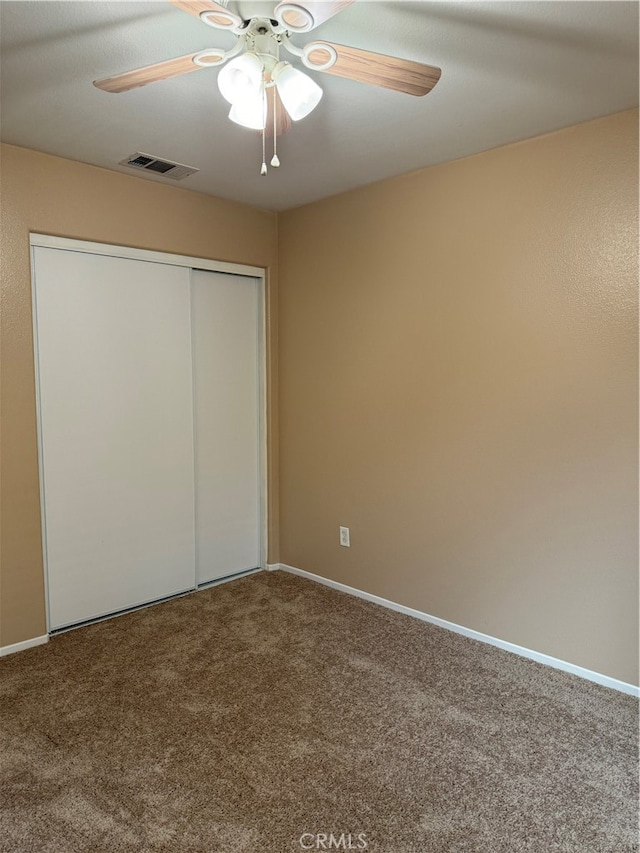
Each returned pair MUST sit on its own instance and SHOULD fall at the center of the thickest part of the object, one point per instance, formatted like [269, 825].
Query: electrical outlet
[344, 537]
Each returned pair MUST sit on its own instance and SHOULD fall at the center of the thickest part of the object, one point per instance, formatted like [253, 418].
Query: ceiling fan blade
[403, 75]
[305, 16]
[196, 7]
[148, 74]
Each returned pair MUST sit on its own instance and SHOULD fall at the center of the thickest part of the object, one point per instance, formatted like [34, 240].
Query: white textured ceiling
[510, 70]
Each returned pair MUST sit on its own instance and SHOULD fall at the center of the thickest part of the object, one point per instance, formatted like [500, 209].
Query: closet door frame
[53, 242]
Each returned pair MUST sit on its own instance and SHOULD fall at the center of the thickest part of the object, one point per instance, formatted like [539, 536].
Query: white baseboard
[25, 644]
[272, 567]
[556, 663]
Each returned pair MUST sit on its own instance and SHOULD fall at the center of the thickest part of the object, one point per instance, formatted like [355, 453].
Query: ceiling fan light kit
[241, 78]
[250, 112]
[254, 69]
[299, 94]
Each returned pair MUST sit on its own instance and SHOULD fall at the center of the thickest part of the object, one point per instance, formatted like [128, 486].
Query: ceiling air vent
[149, 163]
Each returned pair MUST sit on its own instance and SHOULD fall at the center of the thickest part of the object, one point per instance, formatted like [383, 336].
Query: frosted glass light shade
[251, 111]
[241, 78]
[298, 92]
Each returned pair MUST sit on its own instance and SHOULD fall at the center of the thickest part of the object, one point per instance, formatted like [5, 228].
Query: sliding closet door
[225, 317]
[114, 372]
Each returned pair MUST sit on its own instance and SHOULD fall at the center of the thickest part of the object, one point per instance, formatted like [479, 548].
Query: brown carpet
[254, 715]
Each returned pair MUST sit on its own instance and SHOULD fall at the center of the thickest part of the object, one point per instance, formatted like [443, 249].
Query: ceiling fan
[265, 92]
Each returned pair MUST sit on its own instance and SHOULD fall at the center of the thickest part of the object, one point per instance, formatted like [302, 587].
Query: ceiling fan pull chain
[263, 168]
[275, 162]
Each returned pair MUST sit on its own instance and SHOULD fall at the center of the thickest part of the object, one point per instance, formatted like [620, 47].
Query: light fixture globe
[251, 111]
[298, 92]
[241, 78]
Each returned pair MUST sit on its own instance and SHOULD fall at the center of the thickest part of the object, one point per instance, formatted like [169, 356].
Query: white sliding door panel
[225, 316]
[116, 409]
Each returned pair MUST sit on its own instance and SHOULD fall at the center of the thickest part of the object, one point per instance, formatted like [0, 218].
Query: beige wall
[458, 385]
[458, 369]
[54, 196]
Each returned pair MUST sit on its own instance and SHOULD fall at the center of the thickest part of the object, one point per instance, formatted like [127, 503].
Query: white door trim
[51, 242]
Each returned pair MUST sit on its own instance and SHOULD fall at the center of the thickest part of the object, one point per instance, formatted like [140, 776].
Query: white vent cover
[164, 168]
